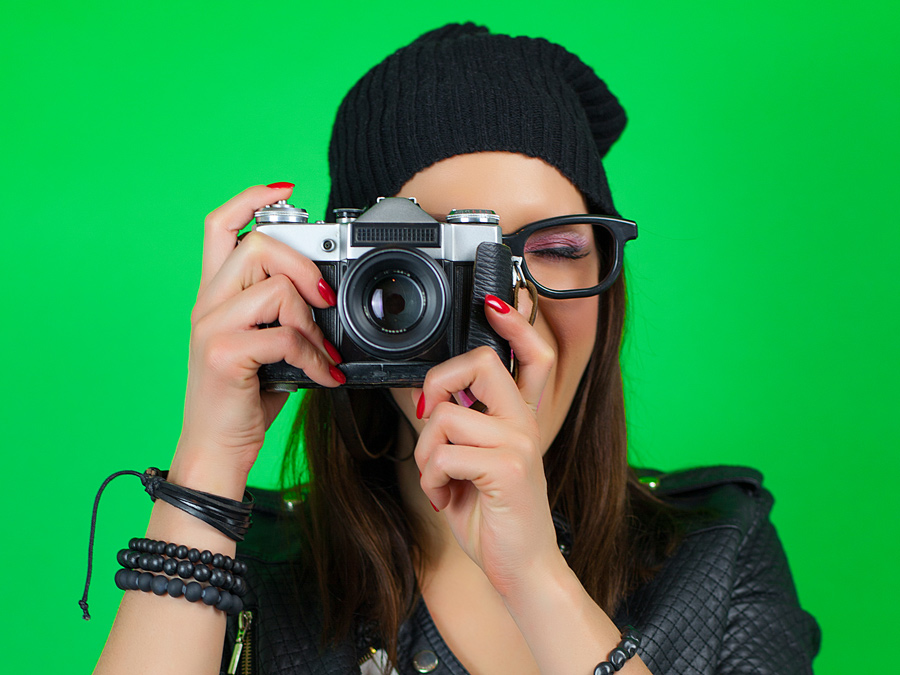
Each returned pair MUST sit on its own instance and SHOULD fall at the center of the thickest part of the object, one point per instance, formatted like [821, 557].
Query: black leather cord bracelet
[631, 641]
[230, 517]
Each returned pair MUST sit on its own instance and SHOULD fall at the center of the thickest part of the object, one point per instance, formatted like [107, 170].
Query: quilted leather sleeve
[766, 630]
[725, 602]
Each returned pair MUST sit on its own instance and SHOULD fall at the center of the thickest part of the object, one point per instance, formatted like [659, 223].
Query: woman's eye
[565, 245]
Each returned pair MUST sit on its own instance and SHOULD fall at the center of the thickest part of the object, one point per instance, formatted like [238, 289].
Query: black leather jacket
[723, 603]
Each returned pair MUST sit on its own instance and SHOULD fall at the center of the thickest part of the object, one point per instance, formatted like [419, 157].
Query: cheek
[570, 326]
[573, 326]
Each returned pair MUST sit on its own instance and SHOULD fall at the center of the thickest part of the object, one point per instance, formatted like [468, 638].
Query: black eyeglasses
[572, 256]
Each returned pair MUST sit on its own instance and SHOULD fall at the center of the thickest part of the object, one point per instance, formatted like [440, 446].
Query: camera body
[410, 289]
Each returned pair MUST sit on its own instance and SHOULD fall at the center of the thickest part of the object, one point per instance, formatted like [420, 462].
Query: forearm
[567, 632]
[153, 634]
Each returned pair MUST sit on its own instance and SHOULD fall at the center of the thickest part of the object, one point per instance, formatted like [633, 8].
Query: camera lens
[396, 301]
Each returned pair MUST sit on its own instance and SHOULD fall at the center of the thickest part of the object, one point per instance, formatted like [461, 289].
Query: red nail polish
[337, 374]
[466, 398]
[282, 184]
[326, 293]
[332, 352]
[433, 506]
[496, 304]
[420, 406]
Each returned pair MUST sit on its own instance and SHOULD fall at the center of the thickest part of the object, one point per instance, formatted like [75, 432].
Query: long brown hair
[363, 543]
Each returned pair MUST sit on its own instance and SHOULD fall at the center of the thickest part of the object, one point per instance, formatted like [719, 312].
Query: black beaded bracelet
[225, 601]
[155, 562]
[631, 641]
[182, 552]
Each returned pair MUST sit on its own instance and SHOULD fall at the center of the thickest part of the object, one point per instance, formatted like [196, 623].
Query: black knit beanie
[458, 90]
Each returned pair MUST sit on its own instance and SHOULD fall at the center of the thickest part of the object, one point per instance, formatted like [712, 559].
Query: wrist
[207, 474]
[565, 629]
[548, 584]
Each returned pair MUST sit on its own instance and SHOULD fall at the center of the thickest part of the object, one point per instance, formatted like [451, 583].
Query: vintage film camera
[410, 289]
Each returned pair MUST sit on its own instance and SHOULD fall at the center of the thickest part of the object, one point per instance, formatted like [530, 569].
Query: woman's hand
[484, 471]
[259, 281]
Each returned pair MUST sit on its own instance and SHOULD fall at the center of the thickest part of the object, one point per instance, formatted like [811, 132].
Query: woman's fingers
[504, 451]
[238, 356]
[483, 374]
[480, 371]
[491, 472]
[534, 356]
[270, 300]
[450, 423]
[222, 225]
[256, 258]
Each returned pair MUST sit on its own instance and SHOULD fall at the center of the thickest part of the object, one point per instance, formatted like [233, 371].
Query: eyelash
[565, 252]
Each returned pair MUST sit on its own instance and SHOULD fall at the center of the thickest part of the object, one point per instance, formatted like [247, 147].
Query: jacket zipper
[367, 657]
[243, 647]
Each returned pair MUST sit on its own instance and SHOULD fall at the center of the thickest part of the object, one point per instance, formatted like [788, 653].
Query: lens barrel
[394, 303]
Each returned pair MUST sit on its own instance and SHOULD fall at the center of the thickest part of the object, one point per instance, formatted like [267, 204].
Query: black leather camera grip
[493, 275]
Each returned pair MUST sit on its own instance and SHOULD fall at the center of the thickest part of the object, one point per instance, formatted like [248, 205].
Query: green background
[760, 162]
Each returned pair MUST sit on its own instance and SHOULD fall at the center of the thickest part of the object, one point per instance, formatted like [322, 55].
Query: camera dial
[346, 215]
[280, 212]
[457, 216]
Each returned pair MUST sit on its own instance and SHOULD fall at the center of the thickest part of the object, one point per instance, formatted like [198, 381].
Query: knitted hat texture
[460, 89]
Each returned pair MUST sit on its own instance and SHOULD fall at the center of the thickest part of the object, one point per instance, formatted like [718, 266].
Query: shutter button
[425, 661]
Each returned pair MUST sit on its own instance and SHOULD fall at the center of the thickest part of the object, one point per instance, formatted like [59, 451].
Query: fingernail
[496, 304]
[433, 506]
[337, 374]
[420, 406]
[282, 184]
[466, 398]
[326, 293]
[332, 352]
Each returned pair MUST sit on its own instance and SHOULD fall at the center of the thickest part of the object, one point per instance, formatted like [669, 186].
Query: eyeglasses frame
[622, 231]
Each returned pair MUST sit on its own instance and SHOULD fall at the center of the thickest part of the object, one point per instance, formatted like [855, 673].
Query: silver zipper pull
[244, 621]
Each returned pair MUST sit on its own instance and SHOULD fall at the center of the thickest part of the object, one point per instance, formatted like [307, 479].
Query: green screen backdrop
[760, 162]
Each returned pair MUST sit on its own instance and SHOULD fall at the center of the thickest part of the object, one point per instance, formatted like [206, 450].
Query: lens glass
[394, 301]
[569, 257]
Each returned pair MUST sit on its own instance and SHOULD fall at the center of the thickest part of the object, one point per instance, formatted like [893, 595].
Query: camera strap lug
[520, 282]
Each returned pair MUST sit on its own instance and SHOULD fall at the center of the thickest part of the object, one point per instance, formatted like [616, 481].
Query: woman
[511, 540]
